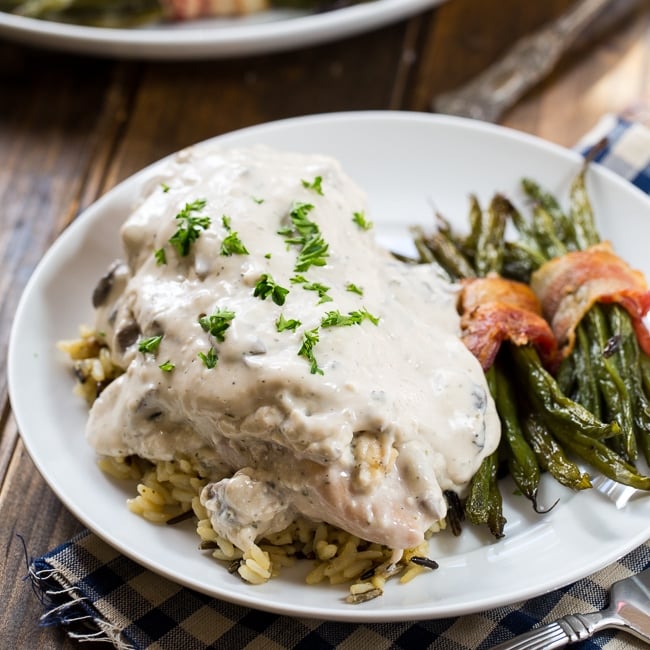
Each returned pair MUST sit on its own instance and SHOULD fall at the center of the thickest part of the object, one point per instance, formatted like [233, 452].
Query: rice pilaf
[168, 491]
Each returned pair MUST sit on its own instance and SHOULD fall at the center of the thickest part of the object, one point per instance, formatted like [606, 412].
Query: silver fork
[628, 610]
[529, 61]
[618, 493]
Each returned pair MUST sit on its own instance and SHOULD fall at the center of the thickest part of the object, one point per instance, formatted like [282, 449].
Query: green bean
[582, 213]
[575, 428]
[562, 412]
[546, 232]
[521, 257]
[496, 521]
[551, 456]
[644, 367]
[520, 260]
[588, 391]
[603, 385]
[489, 248]
[610, 413]
[444, 228]
[644, 442]
[440, 247]
[563, 226]
[620, 378]
[425, 254]
[628, 355]
[477, 504]
[602, 458]
[470, 243]
[612, 387]
[566, 376]
[443, 225]
[523, 227]
[522, 462]
[484, 504]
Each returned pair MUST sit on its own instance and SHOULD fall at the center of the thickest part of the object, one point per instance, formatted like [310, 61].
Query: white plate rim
[635, 518]
[270, 31]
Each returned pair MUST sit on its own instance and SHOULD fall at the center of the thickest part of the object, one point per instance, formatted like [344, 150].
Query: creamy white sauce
[400, 413]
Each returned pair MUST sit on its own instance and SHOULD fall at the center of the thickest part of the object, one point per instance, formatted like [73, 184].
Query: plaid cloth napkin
[98, 594]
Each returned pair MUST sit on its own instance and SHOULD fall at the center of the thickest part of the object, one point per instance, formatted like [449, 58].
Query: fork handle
[566, 630]
[528, 62]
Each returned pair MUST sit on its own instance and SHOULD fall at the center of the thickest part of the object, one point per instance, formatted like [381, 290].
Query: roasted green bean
[484, 504]
[552, 457]
[629, 358]
[604, 459]
[614, 392]
[560, 411]
[439, 247]
[489, 247]
[582, 214]
[522, 462]
[598, 407]
[587, 391]
[563, 226]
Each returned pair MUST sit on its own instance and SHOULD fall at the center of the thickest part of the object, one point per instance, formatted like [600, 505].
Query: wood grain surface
[72, 126]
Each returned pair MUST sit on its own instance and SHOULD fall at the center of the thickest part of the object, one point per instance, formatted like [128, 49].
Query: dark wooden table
[71, 127]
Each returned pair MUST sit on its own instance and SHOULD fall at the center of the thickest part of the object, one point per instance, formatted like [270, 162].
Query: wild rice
[169, 490]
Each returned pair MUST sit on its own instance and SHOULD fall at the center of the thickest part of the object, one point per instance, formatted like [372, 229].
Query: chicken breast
[268, 338]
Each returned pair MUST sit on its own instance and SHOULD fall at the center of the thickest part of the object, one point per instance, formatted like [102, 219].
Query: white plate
[268, 31]
[406, 162]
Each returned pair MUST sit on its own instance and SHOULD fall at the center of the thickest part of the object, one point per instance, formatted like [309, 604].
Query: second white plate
[267, 31]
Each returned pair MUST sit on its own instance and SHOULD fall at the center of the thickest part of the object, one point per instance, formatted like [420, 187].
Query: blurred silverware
[629, 610]
[526, 64]
[618, 493]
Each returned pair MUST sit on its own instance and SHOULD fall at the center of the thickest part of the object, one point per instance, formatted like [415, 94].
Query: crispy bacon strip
[568, 286]
[494, 310]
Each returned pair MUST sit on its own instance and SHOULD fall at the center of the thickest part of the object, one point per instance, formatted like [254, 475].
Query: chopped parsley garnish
[217, 323]
[337, 319]
[149, 344]
[313, 253]
[283, 324]
[360, 219]
[165, 187]
[314, 185]
[232, 245]
[267, 256]
[258, 201]
[302, 227]
[368, 316]
[210, 359]
[320, 289]
[305, 234]
[353, 288]
[190, 226]
[309, 340]
[298, 279]
[266, 287]
[160, 256]
[168, 366]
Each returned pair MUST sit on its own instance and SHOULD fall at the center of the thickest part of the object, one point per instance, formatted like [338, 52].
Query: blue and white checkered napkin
[96, 593]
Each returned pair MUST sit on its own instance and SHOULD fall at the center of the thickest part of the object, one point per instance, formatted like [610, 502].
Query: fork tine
[618, 493]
